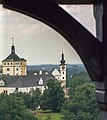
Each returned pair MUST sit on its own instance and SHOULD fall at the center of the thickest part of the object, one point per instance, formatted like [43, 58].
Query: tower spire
[12, 47]
[12, 41]
[62, 60]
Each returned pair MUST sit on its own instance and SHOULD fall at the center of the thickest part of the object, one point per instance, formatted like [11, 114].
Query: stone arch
[85, 44]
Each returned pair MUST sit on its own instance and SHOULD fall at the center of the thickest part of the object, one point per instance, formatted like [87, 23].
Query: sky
[37, 42]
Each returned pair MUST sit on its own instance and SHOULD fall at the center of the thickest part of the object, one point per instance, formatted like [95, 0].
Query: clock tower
[63, 71]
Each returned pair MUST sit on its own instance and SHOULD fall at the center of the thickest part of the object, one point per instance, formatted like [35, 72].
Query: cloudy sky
[37, 42]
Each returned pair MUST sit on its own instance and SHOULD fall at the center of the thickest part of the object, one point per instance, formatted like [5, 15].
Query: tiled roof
[26, 81]
[13, 57]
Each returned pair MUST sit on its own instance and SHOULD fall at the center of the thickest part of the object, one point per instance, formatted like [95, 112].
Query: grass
[42, 115]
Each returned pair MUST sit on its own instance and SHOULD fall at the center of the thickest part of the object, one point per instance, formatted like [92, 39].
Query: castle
[14, 65]
[15, 77]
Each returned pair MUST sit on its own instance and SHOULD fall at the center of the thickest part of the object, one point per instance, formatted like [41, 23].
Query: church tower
[63, 71]
[13, 65]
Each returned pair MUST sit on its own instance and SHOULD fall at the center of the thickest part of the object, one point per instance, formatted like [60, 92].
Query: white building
[10, 84]
[15, 78]
[60, 75]
[63, 71]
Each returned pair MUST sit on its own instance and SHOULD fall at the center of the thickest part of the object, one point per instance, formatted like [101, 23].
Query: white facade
[63, 72]
[56, 74]
[9, 90]
[60, 75]
[63, 75]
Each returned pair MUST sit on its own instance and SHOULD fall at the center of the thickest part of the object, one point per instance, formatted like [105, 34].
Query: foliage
[26, 97]
[83, 105]
[49, 117]
[53, 96]
[13, 108]
[36, 98]
[32, 99]
[78, 79]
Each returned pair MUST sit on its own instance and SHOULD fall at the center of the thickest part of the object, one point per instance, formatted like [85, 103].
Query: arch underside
[85, 44]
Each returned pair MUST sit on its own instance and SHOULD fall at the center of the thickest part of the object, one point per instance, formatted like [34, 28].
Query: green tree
[26, 97]
[35, 98]
[32, 99]
[13, 108]
[53, 96]
[83, 105]
[78, 79]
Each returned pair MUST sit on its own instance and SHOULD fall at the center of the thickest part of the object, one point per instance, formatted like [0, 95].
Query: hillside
[71, 68]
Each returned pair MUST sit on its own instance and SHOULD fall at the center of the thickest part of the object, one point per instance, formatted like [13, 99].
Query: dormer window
[40, 81]
[2, 83]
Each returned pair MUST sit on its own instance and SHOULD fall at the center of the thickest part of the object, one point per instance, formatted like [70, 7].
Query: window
[7, 63]
[16, 63]
[16, 69]
[16, 90]
[63, 72]
[11, 63]
[1, 82]
[63, 78]
[17, 74]
[8, 69]
[5, 91]
[4, 63]
[8, 74]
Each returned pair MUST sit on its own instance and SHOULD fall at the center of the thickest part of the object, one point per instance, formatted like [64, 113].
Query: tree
[13, 108]
[32, 99]
[26, 97]
[53, 96]
[78, 79]
[83, 105]
[35, 98]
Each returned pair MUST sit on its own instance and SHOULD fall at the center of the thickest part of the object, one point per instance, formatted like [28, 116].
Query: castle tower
[63, 71]
[14, 65]
[12, 47]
